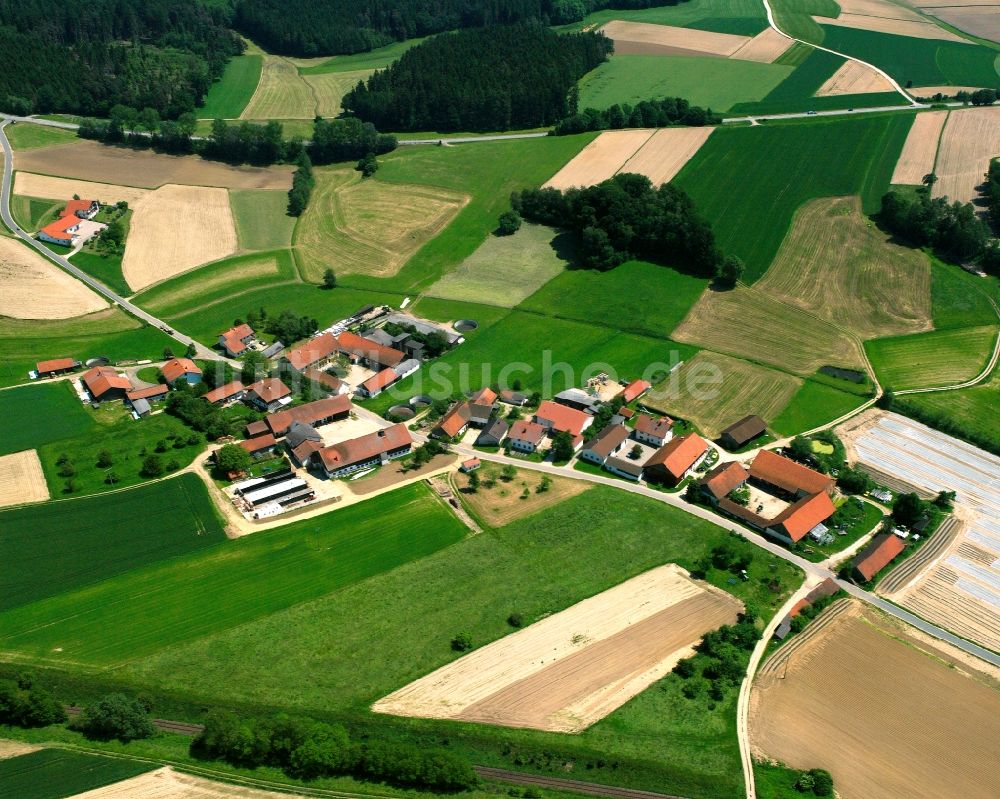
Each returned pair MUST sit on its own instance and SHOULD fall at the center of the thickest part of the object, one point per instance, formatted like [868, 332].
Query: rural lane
[5, 191]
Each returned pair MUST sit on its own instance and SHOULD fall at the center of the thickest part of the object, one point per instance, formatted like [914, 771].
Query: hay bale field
[63, 189]
[835, 264]
[369, 227]
[22, 479]
[281, 93]
[504, 270]
[765, 47]
[927, 360]
[665, 153]
[600, 159]
[570, 670]
[503, 503]
[177, 228]
[744, 388]
[853, 78]
[329, 88]
[917, 29]
[33, 288]
[749, 323]
[920, 151]
[888, 711]
[165, 783]
[970, 139]
[643, 38]
[91, 160]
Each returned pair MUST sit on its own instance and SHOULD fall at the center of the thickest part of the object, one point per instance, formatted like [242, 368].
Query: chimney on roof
[381, 433]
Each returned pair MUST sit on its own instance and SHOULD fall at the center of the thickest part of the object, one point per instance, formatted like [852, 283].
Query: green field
[938, 358]
[958, 298]
[506, 269]
[57, 547]
[32, 213]
[56, 403]
[58, 773]
[794, 17]
[108, 333]
[813, 405]
[638, 297]
[356, 645]
[918, 62]
[716, 83]
[972, 409]
[261, 221]
[742, 17]
[230, 583]
[817, 158]
[25, 136]
[379, 58]
[229, 95]
[106, 268]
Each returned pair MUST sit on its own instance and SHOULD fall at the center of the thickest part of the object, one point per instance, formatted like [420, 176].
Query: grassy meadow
[25, 136]
[741, 17]
[106, 268]
[261, 219]
[937, 358]
[959, 299]
[22, 408]
[59, 773]
[80, 543]
[813, 405]
[229, 95]
[33, 213]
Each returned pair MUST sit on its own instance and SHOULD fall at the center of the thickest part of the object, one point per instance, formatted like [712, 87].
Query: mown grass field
[58, 773]
[358, 644]
[794, 17]
[378, 58]
[261, 219]
[973, 409]
[742, 17]
[32, 213]
[938, 358]
[57, 547]
[925, 62]
[106, 268]
[229, 584]
[781, 166]
[958, 299]
[329, 88]
[637, 296]
[507, 269]
[55, 402]
[814, 404]
[108, 333]
[837, 265]
[712, 391]
[25, 136]
[281, 93]
[228, 96]
[711, 82]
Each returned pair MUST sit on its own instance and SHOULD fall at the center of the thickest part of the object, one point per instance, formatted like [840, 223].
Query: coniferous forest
[482, 79]
[85, 56]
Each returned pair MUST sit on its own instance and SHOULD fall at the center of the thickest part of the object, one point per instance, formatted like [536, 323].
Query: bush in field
[116, 716]
[23, 705]
[463, 641]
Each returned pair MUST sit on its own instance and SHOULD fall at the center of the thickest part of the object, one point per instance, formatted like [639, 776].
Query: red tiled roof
[379, 381]
[258, 443]
[628, 413]
[679, 455]
[354, 450]
[353, 344]
[724, 478]
[178, 367]
[102, 379]
[235, 335]
[147, 393]
[787, 474]
[76, 205]
[876, 556]
[471, 463]
[653, 426]
[564, 419]
[305, 449]
[313, 351]
[270, 389]
[531, 432]
[451, 423]
[258, 428]
[224, 392]
[327, 379]
[635, 389]
[609, 439]
[55, 365]
[799, 518]
[310, 413]
[485, 396]
[59, 229]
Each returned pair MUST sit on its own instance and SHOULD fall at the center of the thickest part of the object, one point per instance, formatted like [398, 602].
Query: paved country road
[203, 352]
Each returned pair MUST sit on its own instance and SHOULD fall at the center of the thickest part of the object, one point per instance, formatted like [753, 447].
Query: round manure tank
[465, 325]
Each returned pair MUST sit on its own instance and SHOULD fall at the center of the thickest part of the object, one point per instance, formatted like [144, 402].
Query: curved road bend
[5, 192]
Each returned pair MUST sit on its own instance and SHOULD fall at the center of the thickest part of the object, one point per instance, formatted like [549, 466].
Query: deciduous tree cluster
[951, 229]
[660, 113]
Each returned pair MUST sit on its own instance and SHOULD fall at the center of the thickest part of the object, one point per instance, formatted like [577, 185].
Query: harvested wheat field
[918, 29]
[970, 139]
[64, 188]
[165, 783]
[21, 479]
[90, 160]
[645, 38]
[600, 159]
[853, 78]
[889, 712]
[947, 91]
[367, 226]
[982, 21]
[329, 89]
[713, 391]
[281, 93]
[837, 265]
[885, 9]
[503, 503]
[920, 150]
[15, 749]
[177, 228]
[666, 152]
[569, 670]
[750, 323]
[33, 288]
[765, 47]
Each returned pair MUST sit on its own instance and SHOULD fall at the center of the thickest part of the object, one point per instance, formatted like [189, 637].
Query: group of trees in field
[991, 191]
[721, 659]
[625, 217]
[481, 79]
[660, 113]
[23, 704]
[302, 186]
[85, 56]
[203, 416]
[309, 749]
[329, 27]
